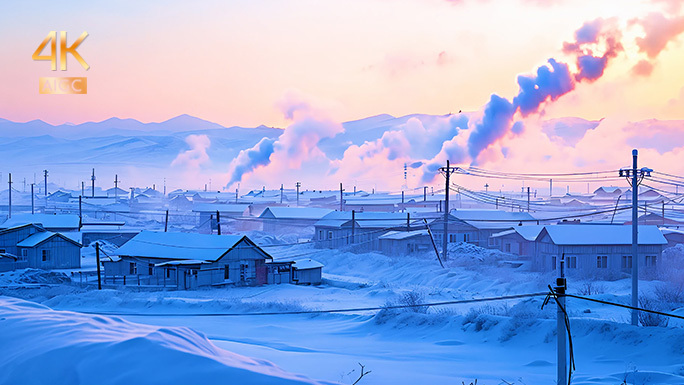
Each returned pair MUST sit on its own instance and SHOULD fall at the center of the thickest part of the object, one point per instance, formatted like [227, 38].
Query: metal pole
[166, 221]
[528, 199]
[80, 212]
[116, 186]
[446, 214]
[32, 204]
[281, 193]
[562, 362]
[45, 174]
[298, 185]
[635, 240]
[92, 180]
[9, 207]
[425, 194]
[97, 260]
[341, 198]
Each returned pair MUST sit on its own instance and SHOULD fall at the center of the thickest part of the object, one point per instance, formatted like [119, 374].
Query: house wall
[9, 239]
[308, 276]
[405, 246]
[62, 254]
[586, 257]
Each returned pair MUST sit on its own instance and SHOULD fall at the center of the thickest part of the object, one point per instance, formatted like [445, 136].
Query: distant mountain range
[129, 146]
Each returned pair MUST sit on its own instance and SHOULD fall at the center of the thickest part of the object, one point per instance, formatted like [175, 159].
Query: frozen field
[496, 343]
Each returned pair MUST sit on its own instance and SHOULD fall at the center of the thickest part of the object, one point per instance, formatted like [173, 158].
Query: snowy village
[342, 192]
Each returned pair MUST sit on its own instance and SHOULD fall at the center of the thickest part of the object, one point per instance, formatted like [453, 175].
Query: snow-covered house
[608, 192]
[231, 215]
[673, 236]
[476, 226]
[56, 223]
[307, 272]
[405, 242]
[520, 240]
[189, 260]
[335, 230]
[39, 248]
[280, 219]
[597, 249]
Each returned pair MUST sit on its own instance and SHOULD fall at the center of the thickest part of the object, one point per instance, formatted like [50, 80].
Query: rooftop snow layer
[396, 235]
[306, 264]
[206, 247]
[47, 220]
[294, 213]
[603, 235]
[75, 348]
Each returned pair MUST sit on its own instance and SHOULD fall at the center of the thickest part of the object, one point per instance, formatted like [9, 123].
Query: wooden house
[189, 260]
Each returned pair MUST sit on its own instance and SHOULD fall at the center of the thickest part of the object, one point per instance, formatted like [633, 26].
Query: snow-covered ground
[496, 343]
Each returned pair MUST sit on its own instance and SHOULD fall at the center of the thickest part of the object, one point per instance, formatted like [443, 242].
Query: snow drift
[43, 346]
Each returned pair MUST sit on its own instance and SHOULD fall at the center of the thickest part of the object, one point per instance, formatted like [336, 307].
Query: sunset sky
[237, 62]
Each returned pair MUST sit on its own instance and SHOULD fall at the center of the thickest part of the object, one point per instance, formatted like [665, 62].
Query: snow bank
[43, 346]
[33, 276]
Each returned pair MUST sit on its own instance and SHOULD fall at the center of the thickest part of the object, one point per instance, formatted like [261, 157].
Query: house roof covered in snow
[40, 237]
[221, 207]
[311, 213]
[62, 221]
[306, 264]
[602, 235]
[491, 215]
[372, 220]
[529, 232]
[183, 246]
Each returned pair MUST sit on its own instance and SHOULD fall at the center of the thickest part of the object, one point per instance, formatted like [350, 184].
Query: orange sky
[230, 62]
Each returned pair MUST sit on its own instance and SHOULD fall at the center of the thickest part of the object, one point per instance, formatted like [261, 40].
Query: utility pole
[447, 171]
[166, 221]
[298, 185]
[80, 211]
[550, 188]
[528, 199]
[486, 186]
[92, 188]
[634, 177]
[97, 260]
[562, 362]
[9, 207]
[82, 188]
[32, 204]
[45, 175]
[236, 196]
[164, 186]
[341, 198]
[425, 194]
[218, 222]
[353, 230]
[402, 201]
[281, 193]
[116, 186]
[663, 212]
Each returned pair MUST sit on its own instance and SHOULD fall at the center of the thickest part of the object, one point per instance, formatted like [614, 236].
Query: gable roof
[183, 246]
[46, 220]
[491, 216]
[43, 236]
[529, 232]
[602, 235]
[294, 213]
[306, 264]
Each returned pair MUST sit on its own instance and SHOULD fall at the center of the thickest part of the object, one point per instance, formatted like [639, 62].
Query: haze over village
[343, 192]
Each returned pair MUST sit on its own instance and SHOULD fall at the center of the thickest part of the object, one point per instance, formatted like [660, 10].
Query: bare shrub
[672, 293]
[591, 288]
[651, 319]
[413, 299]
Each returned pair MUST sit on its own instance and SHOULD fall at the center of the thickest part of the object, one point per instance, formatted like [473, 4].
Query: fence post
[561, 286]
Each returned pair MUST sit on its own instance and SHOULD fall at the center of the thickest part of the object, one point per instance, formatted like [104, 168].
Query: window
[330, 234]
[571, 262]
[626, 262]
[553, 262]
[45, 255]
[466, 237]
[168, 273]
[132, 268]
[24, 254]
[508, 247]
[602, 261]
[226, 272]
[650, 260]
[150, 269]
[321, 235]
